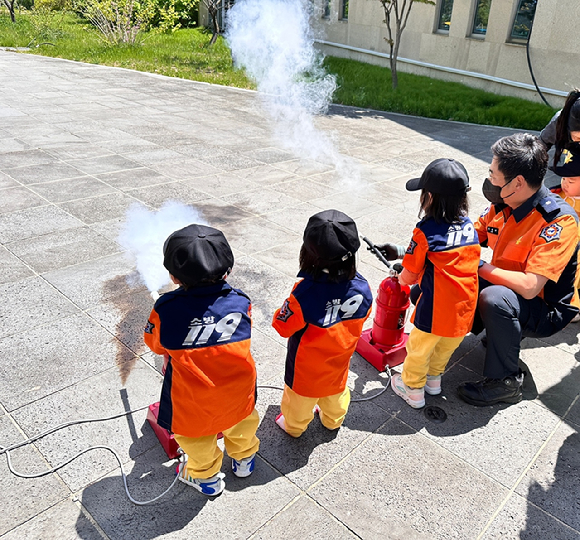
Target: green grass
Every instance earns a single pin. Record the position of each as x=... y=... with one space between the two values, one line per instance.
x=185 y=54
x=369 y=86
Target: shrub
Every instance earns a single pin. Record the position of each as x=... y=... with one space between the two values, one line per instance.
x=173 y=14
x=47 y=24
x=51 y=5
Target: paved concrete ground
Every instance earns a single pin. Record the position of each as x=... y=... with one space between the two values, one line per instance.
x=79 y=144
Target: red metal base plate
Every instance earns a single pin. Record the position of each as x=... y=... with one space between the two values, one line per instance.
x=381 y=357
x=165 y=437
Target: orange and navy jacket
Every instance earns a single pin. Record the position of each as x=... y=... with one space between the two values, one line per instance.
x=210 y=380
x=540 y=237
x=323 y=322
x=446 y=257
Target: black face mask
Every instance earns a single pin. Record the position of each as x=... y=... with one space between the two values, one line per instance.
x=493 y=193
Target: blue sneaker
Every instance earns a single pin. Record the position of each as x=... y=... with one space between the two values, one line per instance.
x=244 y=467
x=208 y=486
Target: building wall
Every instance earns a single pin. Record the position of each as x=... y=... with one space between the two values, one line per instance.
x=554 y=46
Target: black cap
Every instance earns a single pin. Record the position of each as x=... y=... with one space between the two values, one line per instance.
x=568 y=165
x=442 y=176
x=331 y=236
x=574 y=116
x=197 y=253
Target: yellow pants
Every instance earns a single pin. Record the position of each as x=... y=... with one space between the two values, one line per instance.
x=297 y=410
x=427 y=354
x=204 y=457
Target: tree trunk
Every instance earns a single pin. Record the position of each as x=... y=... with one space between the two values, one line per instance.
x=10 y=6
x=216 y=27
x=395 y=55
x=394 y=76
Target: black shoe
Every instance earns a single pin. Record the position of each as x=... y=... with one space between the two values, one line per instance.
x=492 y=391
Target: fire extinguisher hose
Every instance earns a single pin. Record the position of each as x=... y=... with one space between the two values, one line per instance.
x=6 y=450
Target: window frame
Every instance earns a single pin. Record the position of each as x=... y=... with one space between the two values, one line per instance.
x=344 y=4
x=326 y=11
x=474 y=33
x=519 y=39
x=438 y=26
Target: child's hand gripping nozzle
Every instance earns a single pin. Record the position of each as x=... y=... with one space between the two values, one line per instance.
x=384 y=344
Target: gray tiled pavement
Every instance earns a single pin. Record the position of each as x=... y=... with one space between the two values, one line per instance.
x=80 y=143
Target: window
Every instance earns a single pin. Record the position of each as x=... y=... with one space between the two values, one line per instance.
x=481 y=17
x=524 y=19
x=222 y=13
x=445 y=15
x=326 y=10
x=344 y=9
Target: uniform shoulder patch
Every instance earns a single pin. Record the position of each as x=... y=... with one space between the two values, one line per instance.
x=551 y=232
x=149 y=327
x=411 y=248
x=285 y=312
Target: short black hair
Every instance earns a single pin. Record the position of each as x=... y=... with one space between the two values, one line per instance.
x=202 y=283
x=448 y=208
x=521 y=153
x=336 y=271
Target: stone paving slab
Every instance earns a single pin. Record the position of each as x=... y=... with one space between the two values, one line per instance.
x=129 y=437
x=78 y=145
x=64 y=520
x=420 y=492
x=24 y=498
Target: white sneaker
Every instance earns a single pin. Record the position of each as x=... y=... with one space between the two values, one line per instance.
x=576 y=318
x=281 y=421
x=415 y=397
x=433 y=386
x=208 y=486
x=244 y=467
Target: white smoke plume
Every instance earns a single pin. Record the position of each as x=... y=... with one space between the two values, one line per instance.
x=274 y=42
x=144 y=233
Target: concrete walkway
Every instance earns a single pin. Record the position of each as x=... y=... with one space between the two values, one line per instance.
x=78 y=144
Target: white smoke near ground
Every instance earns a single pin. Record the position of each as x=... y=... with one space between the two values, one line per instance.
x=144 y=233
x=274 y=41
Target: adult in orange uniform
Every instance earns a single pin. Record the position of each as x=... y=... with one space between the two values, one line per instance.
x=528 y=288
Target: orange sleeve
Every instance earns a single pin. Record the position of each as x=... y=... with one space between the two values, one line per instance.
x=414 y=259
x=151 y=333
x=289 y=318
x=553 y=248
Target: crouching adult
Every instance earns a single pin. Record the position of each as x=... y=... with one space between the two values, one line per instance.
x=528 y=288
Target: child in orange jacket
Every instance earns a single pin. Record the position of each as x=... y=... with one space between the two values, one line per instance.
x=443 y=257
x=323 y=319
x=204 y=329
x=568 y=168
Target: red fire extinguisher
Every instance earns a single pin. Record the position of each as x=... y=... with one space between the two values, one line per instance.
x=384 y=344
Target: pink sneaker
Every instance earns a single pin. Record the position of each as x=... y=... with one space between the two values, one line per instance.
x=433 y=386
x=415 y=397
x=281 y=421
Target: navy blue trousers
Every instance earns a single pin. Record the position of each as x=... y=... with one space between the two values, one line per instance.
x=507 y=318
